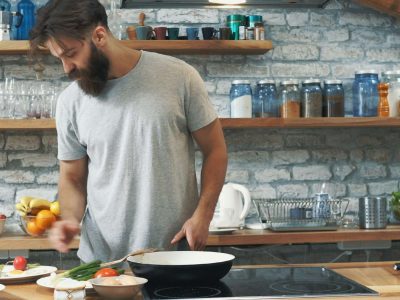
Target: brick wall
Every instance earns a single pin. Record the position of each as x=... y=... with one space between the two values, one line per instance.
x=322 y=43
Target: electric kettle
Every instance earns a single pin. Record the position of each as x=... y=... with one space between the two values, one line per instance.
x=233 y=206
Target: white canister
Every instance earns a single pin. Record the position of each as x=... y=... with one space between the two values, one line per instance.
x=70 y=289
x=241 y=99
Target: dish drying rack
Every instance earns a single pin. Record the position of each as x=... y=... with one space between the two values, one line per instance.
x=301 y=214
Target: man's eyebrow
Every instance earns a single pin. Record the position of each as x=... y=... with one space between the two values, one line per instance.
x=66 y=51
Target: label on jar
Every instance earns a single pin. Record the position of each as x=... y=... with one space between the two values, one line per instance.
x=241 y=107
x=242 y=33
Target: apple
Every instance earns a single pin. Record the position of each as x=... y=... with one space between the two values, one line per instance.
x=3 y=217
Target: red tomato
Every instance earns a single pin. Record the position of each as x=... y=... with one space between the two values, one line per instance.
x=20 y=263
x=3 y=217
x=105 y=272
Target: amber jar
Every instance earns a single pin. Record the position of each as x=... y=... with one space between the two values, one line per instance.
x=383 y=104
x=290 y=99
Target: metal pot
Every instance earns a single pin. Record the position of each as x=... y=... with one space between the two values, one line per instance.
x=174 y=266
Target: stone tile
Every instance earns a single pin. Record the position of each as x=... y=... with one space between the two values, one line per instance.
x=360 y=35
x=249 y=158
x=263 y=191
x=316 y=172
x=297 y=18
x=383 y=55
x=18 y=142
x=357 y=189
x=34 y=159
x=330 y=53
x=395 y=171
x=383 y=188
x=3 y=159
x=2 y=141
x=191 y=16
x=301 y=35
x=289 y=157
x=378 y=155
x=323 y=19
x=304 y=140
x=44 y=193
x=334 y=189
x=227 y=70
x=292 y=191
x=343 y=171
x=295 y=52
x=328 y=155
x=49 y=142
x=271 y=175
x=48 y=178
x=224 y=87
x=17 y=176
x=362 y=19
x=296 y=70
x=252 y=140
x=372 y=171
x=237 y=176
x=336 y=35
x=7 y=194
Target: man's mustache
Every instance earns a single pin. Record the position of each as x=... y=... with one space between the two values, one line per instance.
x=74 y=74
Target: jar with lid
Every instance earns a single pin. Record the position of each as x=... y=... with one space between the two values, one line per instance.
x=365 y=94
x=265 y=95
x=333 y=98
x=311 y=98
x=237 y=23
x=290 y=99
x=393 y=79
x=241 y=99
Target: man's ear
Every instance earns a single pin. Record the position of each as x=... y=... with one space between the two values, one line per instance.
x=100 y=36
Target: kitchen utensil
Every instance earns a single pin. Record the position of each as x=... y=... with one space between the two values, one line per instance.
x=9 y=20
x=372 y=212
x=125 y=291
x=192 y=33
x=144 y=32
x=208 y=33
x=233 y=204
x=137 y=252
x=175 y=266
x=142 y=16
x=160 y=33
x=173 y=33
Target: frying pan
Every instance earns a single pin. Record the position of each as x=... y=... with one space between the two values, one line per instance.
x=172 y=266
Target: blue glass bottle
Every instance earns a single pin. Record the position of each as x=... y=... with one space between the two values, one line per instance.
x=27 y=9
x=266 y=99
x=5 y=5
x=365 y=94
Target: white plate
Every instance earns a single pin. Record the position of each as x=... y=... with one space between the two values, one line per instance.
x=2 y=287
x=26 y=276
x=222 y=230
x=48 y=282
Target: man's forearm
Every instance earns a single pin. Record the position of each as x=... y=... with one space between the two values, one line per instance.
x=212 y=179
x=72 y=197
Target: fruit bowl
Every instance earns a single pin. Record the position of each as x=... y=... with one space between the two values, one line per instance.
x=37 y=225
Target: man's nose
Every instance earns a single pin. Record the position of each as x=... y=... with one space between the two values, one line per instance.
x=68 y=66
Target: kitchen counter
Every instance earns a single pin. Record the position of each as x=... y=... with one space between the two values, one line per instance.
x=238 y=237
x=378 y=276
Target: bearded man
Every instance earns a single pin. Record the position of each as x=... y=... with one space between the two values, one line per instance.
x=126 y=128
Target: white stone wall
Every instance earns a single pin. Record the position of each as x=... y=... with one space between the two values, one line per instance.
x=331 y=42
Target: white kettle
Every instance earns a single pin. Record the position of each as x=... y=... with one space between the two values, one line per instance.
x=233 y=206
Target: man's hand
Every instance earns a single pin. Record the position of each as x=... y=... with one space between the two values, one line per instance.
x=196 y=232
x=62 y=233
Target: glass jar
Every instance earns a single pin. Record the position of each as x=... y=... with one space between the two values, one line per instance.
x=365 y=94
x=27 y=9
x=290 y=99
x=333 y=99
x=266 y=95
x=241 y=98
x=311 y=98
x=393 y=79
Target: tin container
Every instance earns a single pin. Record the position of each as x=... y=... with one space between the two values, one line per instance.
x=236 y=23
x=372 y=212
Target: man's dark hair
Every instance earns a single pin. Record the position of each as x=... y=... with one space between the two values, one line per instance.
x=66 y=18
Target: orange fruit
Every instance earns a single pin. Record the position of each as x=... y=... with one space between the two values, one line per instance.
x=32 y=229
x=45 y=219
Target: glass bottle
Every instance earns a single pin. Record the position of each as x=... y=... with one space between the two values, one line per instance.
x=266 y=94
x=393 y=79
x=365 y=94
x=383 y=105
x=333 y=99
x=27 y=9
x=290 y=99
x=311 y=99
x=241 y=99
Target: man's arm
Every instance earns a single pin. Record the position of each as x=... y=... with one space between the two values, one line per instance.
x=210 y=140
x=72 y=197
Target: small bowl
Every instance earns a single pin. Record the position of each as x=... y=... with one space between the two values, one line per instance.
x=105 y=287
x=28 y=225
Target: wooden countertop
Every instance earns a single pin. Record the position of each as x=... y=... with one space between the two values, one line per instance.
x=378 y=276
x=236 y=238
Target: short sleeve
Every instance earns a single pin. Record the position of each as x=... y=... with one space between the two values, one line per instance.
x=69 y=147
x=198 y=107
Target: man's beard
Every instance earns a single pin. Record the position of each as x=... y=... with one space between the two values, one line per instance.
x=93 y=79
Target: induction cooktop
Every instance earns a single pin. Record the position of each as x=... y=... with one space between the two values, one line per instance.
x=265 y=283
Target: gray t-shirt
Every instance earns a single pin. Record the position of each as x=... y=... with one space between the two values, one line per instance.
x=137 y=135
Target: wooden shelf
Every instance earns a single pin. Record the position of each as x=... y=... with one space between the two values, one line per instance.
x=229 y=123
x=238 y=123
x=28 y=124
x=169 y=47
x=13 y=241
